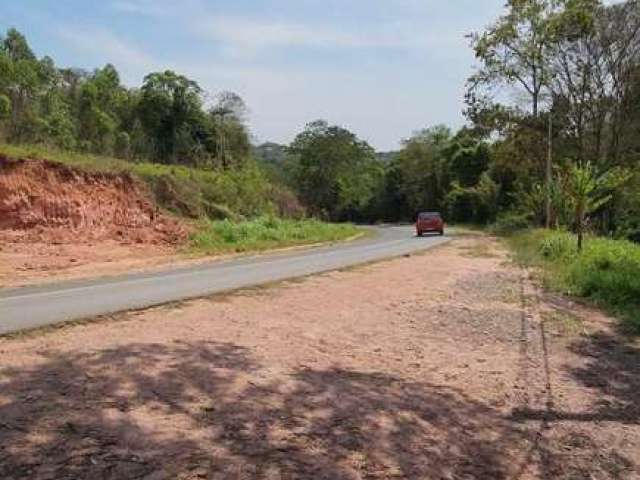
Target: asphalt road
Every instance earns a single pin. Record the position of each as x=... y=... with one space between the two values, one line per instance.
x=32 y=307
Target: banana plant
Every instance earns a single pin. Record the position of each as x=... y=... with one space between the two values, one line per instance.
x=588 y=191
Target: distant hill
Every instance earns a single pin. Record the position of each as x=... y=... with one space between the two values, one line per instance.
x=270 y=153
x=274 y=154
x=387 y=157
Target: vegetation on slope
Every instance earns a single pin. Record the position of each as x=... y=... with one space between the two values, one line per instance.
x=266 y=232
x=187 y=191
x=492 y=169
x=606 y=272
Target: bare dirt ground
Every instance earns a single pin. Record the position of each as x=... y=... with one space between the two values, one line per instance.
x=29 y=263
x=57 y=220
x=445 y=365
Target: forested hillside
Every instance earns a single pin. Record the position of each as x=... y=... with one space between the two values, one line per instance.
x=166 y=119
x=574 y=136
x=562 y=151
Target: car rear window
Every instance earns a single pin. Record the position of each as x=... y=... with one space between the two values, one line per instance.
x=428 y=216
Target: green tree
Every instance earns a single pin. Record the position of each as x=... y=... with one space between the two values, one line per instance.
x=170 y=111
x=513 y=51
x=16 y=46
x=335 y=173
x=230 y=138
x=423 y=163
x=589 y=191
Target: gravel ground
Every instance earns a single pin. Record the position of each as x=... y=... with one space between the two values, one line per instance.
x=445 y=365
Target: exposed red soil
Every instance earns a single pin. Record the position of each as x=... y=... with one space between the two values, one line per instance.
x=447 y=365
x=47 y=202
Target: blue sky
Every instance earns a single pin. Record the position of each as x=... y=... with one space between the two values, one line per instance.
x=382 y=68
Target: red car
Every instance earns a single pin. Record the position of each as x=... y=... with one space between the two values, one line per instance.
x=429 y=222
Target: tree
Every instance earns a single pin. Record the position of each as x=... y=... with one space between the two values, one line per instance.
x=588 y=191
x=335 y=173
x=231 y=138
x=16 y=46
x=170 y=111
x=5 y=106
x=424 y=169
x=513 y=50
x=469 y=160
x=165 y=120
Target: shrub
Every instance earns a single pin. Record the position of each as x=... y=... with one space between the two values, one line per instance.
x=265 y=232
x=557 y=246
x=510 y=222
x=192 y=192
x=607 y=271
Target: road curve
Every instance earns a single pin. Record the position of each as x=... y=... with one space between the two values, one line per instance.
x=31 y=307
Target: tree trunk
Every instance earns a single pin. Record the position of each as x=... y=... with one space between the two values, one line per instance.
x=580 y=240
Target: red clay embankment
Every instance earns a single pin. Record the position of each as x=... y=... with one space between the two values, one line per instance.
x=42 y=201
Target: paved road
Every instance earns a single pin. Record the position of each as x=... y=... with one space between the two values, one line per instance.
x=31 y=307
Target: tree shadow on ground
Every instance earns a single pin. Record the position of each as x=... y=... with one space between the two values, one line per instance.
x=209 y=410
x=612 y=368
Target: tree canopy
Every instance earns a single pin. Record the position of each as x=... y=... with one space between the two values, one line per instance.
x=165 y=120
x=551 y=73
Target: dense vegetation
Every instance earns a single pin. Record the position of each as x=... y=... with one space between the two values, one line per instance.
x=577 y=64
x=165 y=120
x=565 y=152
x=233 y=194
x=606 y=272
x=267 y=232
x=567 y=155
x=571 y=67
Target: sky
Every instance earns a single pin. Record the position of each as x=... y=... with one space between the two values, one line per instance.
x=381 y=68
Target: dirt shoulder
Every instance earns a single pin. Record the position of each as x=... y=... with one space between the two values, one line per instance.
x=31 y=263
x=23 y=264
x=445 y=365
x=62 y=222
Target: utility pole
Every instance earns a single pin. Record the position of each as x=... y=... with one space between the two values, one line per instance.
x=549 y=172
x=222 y=141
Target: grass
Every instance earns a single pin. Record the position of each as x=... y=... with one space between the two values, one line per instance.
x=606 y=272
x=563 y=323
x=266 y=232
x=237 y=208
x=186 y=191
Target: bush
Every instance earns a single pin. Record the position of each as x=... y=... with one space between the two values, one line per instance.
x=558 y=246
x=217 y=194
x=510 y=222
x=266 y=232
x=606 y=272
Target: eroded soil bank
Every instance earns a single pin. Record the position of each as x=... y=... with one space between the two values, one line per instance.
x=446 y=365
x=56 y=219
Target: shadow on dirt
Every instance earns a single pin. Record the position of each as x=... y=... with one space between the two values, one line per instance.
x=612 y=368
x=208 y=410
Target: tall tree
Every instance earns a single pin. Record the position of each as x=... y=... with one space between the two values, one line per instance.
x=513 y=50
x=335 y=173
x=170 y=110
x=228 y=117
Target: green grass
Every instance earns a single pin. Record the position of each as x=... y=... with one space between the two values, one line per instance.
x=607 y=272
x=186 y=191
x=266 y=232
x=238 y=208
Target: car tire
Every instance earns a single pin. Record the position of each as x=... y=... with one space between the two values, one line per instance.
x=441 y=232
x=418 y=234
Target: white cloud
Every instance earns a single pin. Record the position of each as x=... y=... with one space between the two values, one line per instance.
x=141 y=7
x=379 y=101
x=107 y=47
x=245 y=36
